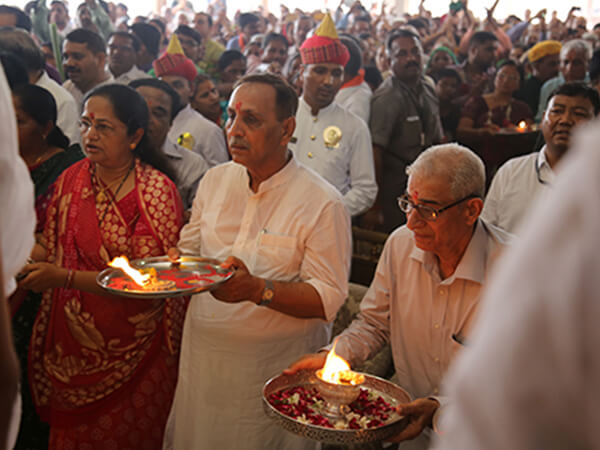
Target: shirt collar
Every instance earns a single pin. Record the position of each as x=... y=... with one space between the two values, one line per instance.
x=284 y=175
x=322 y=111
x=543 y=165
x=184 y=112
x=471 y=266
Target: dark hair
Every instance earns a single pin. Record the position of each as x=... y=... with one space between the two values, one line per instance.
x=418 y=23
x=189 y=32
x=515 y=65
x=19 y=42
x=201 y=78
x=148 y=35
x=40 y=105
x=227 y=57
x=355 y=62
x=160 y=24
x=363 y=18
x=373 y=76
x=61 y=3
x=123 y=6
x=163 y=86
x=481 y=37
x=578 y=89
x=286 y=99
x=594 y=67
x=131 y=109
x=93 y=41
x=14 y=69
x=397 y=34
x=246 y=19
x=135 y=41
x=596 y=26
x=208 y=18
x=22 y=20
x=274 y=37
x=447 y=72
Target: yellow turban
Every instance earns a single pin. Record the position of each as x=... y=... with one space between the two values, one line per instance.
x=544 y=48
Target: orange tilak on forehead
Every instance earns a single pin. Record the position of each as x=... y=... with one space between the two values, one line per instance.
x=238 y=107
x=415 y=196
x=92 y=115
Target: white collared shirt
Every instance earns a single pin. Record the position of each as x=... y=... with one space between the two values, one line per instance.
x=207 y=138
x=132 y=74
x=78 y=95
x=189 y=167
x=295 y=228
x=67 y=109
x=356 y=99
x=410 y=307
x=349 y=165
x=515 y=188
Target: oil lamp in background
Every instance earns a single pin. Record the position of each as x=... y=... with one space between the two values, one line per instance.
x=522 y=126
x=338 y=385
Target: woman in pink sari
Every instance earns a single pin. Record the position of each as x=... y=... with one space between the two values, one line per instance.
x=103 y=369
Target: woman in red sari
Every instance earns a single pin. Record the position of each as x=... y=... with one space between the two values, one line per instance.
x=103 y=369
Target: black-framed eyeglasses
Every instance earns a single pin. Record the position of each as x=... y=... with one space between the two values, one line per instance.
x=427 y=212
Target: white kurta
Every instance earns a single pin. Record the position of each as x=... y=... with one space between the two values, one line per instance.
x=349 y=166
x=67 y=110
x=207 y=138
x=17 y=222
x=409 y=306
x=515 y=188
x=530 y=379
x=295 y=228
x=356 y=99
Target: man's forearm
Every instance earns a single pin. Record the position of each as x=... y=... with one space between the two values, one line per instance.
x=297 y=299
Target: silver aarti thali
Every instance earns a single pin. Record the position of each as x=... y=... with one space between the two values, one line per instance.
x=392 y=393
x=190 y=275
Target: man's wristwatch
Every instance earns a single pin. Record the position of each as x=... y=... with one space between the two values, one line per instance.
x=268 y=294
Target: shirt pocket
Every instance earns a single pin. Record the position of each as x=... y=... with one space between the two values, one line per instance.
x=411 y=131
x=278 y=255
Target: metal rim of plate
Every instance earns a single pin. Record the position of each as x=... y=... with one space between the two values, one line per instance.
x=331 y=435
x=162 y=262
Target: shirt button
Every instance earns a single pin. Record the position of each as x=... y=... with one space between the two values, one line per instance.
x=436 y=391
x=315 y=119
x=313 y=137
x=310 y=155
x=436 y=359
x=442 y=292
x=436 y=326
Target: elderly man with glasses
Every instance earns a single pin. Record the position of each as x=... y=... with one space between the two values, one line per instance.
x=426 y=289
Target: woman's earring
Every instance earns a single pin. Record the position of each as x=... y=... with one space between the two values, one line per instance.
x=132 y=146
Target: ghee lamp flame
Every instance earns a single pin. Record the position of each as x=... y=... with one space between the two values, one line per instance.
x=138 y=277
x=337 y=371
x=522 y=125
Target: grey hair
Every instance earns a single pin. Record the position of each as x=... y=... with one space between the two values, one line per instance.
x=20 y=42
x=579 y=45
x=464 y=170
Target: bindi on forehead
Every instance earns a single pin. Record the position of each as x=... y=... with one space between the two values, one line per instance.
x=238 y=107
x=92 y=116
x=415 y=196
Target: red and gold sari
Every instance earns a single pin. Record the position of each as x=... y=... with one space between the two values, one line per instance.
x=103 y=369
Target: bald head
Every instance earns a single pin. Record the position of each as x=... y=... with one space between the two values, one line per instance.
x=461 y=167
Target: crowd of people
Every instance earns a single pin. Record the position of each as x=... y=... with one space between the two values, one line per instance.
x=261 y=142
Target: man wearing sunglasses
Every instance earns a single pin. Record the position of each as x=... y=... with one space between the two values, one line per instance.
x=426 y=289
